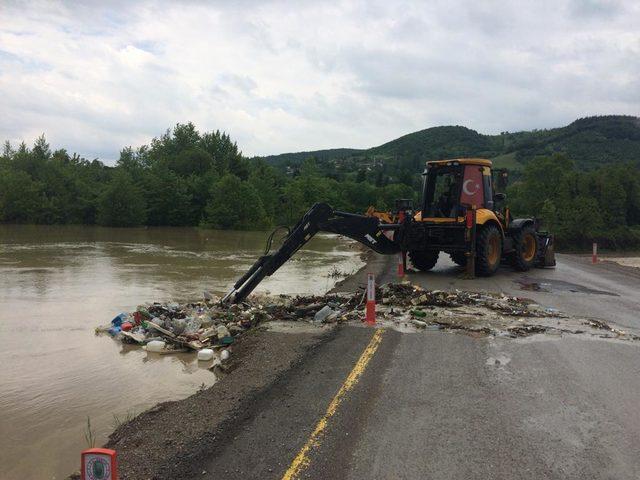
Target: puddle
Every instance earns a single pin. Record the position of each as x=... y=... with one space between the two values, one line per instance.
x=550 y=286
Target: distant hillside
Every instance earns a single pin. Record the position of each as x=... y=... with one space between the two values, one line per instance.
x=441 y=142
x=590 y=142
x=299 y=157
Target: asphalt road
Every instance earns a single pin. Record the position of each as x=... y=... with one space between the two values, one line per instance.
x=444 y=405
x=606 y=291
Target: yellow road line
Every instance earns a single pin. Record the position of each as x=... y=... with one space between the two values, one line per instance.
x=302 y=459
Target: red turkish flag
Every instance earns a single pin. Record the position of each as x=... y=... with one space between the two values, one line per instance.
x=472 y=191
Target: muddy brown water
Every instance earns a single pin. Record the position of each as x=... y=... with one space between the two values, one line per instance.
x=58 y=283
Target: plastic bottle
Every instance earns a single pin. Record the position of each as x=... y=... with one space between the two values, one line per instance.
x=205 y=354
x=323 y=313
x=117 y=321
x=156 y=346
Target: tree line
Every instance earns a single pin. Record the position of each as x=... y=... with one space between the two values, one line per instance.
x=579 y=205
x=188 y=178
x=182 y=178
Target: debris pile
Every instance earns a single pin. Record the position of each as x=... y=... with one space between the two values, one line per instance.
x=410 y=304
x=166 y=328
x=411 y=295
x=206 y=325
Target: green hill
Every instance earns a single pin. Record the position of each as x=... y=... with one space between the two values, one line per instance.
x=441 y=142
x=590 y=142
x=299 y=157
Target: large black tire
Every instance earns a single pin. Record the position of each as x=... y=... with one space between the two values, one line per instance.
x=424 y=260
x=525 y=242
x=460 y=258
x=488 y=250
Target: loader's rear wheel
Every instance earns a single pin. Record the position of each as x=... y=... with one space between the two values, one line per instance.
x=459 y=258
x=424 y=260
x=526 y=249
x=488 y=250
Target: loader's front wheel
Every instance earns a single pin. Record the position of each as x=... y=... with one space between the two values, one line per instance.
x=460 y=258
x=488 y=250
x=424 y=260
x=526 y=249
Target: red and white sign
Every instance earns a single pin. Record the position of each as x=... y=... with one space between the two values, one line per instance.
x=472 y=190
x=99 y=464
x=370 y=316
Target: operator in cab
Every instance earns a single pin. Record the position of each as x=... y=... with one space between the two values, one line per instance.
x=447 y=201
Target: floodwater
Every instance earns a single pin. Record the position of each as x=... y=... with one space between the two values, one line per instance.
x=58 y=283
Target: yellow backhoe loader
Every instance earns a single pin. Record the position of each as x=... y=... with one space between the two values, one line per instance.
x=460 y=215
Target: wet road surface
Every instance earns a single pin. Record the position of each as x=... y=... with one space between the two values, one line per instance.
x=447 y=405
x=606 y=290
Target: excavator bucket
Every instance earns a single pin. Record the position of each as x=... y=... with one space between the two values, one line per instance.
x=547 y=257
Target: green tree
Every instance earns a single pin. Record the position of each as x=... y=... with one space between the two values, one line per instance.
x=306 y=189
x=20 y=197
x=234 y=204
x=194 y=161
x=168 y=198
x=122 y=203
x=267 y=184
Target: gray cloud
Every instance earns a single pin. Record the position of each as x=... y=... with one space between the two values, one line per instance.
x=289 y=76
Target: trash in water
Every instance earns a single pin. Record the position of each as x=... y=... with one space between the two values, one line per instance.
x=155 y=346
x=167 y=328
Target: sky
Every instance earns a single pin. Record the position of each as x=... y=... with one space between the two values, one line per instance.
x=283 y=76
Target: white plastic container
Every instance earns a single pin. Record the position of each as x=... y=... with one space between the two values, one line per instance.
x=205 y=354
x=156 y=346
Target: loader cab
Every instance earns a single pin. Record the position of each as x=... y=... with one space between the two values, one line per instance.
x=449 y=185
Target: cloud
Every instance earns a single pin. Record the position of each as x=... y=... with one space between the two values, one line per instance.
x=288 y=76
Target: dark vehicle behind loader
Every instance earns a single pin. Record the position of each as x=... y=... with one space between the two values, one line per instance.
x=460 y=215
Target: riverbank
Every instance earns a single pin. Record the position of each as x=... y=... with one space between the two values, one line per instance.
x=168 y=439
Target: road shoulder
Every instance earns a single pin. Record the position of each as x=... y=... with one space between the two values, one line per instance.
x=172 y=439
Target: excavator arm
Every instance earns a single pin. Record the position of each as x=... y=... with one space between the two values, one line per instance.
x=367 y=230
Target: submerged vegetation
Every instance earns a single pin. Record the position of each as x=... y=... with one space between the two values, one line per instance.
x=583 y=179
